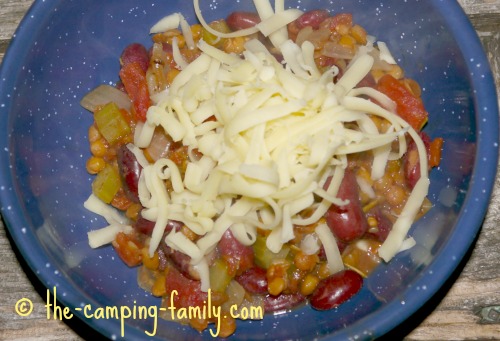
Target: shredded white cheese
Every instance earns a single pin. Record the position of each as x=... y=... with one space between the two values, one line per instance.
x=117 y=223
x=280 y=132
x=106 y=235
x=268 y=146
x=112 y=216
x=332 y=252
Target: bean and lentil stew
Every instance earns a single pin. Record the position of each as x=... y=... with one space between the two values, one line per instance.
x=249 y=270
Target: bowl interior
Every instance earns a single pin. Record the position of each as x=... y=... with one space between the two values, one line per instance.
x=63 y=49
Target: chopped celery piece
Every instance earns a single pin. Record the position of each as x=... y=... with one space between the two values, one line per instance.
x=111 y=124
x=263 y=256
x=106 y=184
x=219 y=276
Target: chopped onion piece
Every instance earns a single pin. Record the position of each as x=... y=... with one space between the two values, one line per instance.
x=169 y=22
x=385 y=54
x=104 y=94
x=178 y=58
x=365 y=187
x=309 y=245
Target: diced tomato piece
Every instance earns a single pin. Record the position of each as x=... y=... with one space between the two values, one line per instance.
x=238 y=256
x=409 y=107
x=134 y=80
x=411 y=160
x=347 y=222
x=188 y=291
x=435 y=152
x=179 y=156
x=121 y=201
x=128 y=248
x=282 y=301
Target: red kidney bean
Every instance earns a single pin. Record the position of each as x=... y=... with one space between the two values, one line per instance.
x=347 y=222
x=163 y=262
x=254 y=280
x=130 y=170
x=282 y=302
x=189 y=292
x=173 y=225
x=335 y=290
x=135 y=53
x=384 y=225
x=411 y=160
x=293 y=30
x=411 y=164
x=146 y=227
x=160 y=145
x=325 y=61
x=241 y=20
x=239 y=257
x=181 y=261
x=312 y=18
x=367 y=81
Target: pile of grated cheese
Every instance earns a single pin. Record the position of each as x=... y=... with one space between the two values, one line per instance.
x=280 y=131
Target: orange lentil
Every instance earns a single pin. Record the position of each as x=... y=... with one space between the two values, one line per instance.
x=99 y=148
x=227 y=326
x=372 y=222
x=359 y=34
x=94 y=133
x=234 y=45
x=323 y=271
x=305 y=262
x=199 y=324
x=159 y=287
x=151 y=263
x=133 y=211
x=396 y=195
x=95 y=164
x=342 y=29
x=276 y=286
x=196 y=31
x=348 y=41
x=308 y=284
x=396 y=71
x=171 y=74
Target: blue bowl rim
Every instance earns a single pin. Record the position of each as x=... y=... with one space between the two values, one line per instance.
x=486 y=106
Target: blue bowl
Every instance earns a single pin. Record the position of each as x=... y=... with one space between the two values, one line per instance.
x=63 y=49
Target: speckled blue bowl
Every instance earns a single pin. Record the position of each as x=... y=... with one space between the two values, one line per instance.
x=63 y=49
